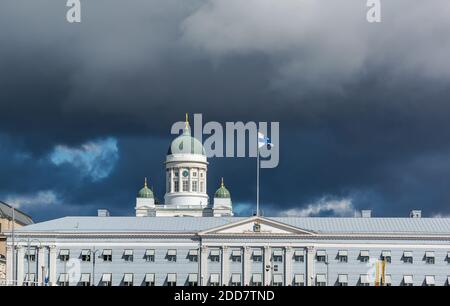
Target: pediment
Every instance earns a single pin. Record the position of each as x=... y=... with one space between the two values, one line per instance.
x=256 y=226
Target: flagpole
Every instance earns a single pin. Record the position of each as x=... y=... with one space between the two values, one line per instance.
x=257 y=182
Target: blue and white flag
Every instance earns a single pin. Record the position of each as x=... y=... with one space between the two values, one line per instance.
x=263 y=140
x=46 y=279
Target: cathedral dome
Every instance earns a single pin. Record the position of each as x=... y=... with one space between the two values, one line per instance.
x=186 y=144
x=145 y=192
x=222 y=192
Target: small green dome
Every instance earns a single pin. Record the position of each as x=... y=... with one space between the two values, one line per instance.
x=186 y=144
x=145 y=192
x=222 y=192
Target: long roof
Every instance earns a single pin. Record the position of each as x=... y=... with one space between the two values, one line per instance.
x=334 y=225
x=20 y=217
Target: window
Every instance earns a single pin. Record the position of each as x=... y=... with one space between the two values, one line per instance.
x=176 y=185
x=448 y=257
x=214 y=280
x=407 y=280
x=429 y=257
x=63 y=279
x=299 y=280
x=257 y=256
x=408 y=257
x=128 y=255
x=214 y=255
x=194 y=174
x=342 y=280
x=193 y=255
x=30 y=280
x=256 y=280
x=194 y=186
x=149 y=280
x=192 y=280
x=172 y=255
x=171 y=279
x=429 y=280
x=64 y=255
x=321 y=256
x=85 y=280
x=128 y=279
x=388 y=280
x=149 y=255
x=176 y=173
x=299 y=256
x=364 y=256
x=107 y=255
x=86 y=255
x=277 y=256
x=236 y=256
x=31 y=255
x=235 y=280
x=106 y=279
x=185 y=185
x=364 y=280
x=277 y=280
x=386 y=256
x=342 y=256
x=321 y=280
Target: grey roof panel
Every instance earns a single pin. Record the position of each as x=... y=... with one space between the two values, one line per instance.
x=20 y=217
x=195 y=224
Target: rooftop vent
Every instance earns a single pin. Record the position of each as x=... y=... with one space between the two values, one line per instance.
x=366 y=213
x=415 y=214
x=103 y=213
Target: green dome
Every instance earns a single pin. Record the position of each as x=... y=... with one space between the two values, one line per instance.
x=186 y=144
x=222 y=192
x=145 y=192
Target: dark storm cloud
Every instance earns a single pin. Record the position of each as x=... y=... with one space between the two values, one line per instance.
x=363 y=108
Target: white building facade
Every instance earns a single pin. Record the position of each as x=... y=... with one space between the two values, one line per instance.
x=190 y=240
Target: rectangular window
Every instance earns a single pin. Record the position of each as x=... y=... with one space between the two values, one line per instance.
x=107 y=279
x=343 y=280
x=386 y=256
x=277 y=256
x=342 y=256
x=128 y=255
x=86 y=255
x=321 y=256
x=214 y=280
x=236 y=256
x=193 y=255
x=321 y=280
x=277 y=280
x=176 y=185
x=171 y=279
x=194 y=186
x=85 y=280
x=31 y=255
x=408 y=257
x=429 y=257
x=149 y=280
x=63 y=279
x=149 y=255
x=172 y=255
x=235 y=280
x=128 y=279
x=193 y=280
x=364 y=256
x=185 y=185
x=107 y=255
x=64 y=255
x=299 y=280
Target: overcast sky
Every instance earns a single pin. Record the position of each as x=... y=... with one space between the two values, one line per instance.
x=86 y=109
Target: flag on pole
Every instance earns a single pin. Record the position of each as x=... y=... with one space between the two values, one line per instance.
x=263 y=140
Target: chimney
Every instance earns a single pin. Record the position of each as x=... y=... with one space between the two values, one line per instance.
x=415 y=214
x=366 y=213
x=102 y=213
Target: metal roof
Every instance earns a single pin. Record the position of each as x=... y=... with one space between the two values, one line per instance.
x=20 y=217
x=194 y=224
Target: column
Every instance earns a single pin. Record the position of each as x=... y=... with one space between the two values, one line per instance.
x=52 y=274
x=288 y=266
x=190 y=180
x=9 y=267
x=180 y=180
x=247 y=256
x=225 y=265
x=41 y=263
x=310 y=255
x=267 y=266
x=20 y=263
x=172 y=187
x=204 y=266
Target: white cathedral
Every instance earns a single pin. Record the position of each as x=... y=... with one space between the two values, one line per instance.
x=186 y=179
